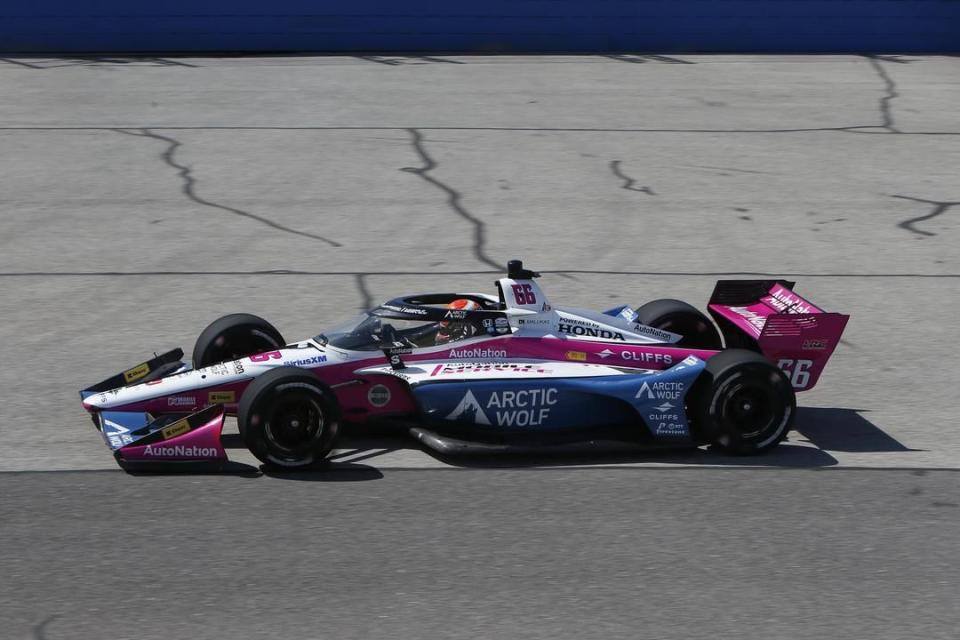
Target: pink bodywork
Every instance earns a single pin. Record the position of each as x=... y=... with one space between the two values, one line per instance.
x=792 y=332
x=202 y=443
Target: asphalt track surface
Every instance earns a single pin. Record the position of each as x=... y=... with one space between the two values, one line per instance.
x=143 y=198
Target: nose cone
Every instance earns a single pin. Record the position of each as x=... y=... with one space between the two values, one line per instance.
x=89 y=400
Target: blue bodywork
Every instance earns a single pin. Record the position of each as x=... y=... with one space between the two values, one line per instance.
x=513 y=406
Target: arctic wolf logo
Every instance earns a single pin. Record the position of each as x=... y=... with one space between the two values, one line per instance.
x=469 y=410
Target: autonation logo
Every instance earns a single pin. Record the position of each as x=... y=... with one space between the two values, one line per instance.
x=181 y=451
x=477 y=353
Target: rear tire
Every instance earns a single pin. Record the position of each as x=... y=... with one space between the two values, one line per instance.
x=235 y=336
x=679 y=317
x=288 y=418
x=742 y=404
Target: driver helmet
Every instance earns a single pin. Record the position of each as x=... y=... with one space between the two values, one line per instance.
x=451 y=330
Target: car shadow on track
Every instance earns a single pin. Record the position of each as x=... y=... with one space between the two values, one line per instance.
x=844 y=430
x=816 y=432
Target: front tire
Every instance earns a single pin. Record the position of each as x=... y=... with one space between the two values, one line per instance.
x=235 y=336
x=288 y=418
x=679 y=317
x=742 y=404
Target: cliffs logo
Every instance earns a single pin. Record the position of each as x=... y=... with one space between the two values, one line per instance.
x=477 y=353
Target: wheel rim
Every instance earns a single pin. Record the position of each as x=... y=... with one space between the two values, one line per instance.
x=748 y=410
x=294 y=424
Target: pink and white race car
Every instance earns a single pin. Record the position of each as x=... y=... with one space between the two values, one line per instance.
x=472 y=372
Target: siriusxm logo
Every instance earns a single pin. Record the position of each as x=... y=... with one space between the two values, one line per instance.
x=305 y=362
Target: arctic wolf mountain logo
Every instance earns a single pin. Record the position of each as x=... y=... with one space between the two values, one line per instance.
x=469 y=410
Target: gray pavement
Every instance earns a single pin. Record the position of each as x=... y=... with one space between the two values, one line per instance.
x=142 y=199
x=581 y=553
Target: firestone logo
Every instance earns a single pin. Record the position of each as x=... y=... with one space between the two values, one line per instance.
x=180 y=451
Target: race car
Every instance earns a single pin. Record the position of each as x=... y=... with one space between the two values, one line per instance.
x=473 y=372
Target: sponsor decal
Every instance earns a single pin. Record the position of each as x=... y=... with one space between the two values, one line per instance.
x=646 y=358
x=669 y=429
x=216 y=370
x=581 y=356
x=305 y=362
x=136 y=373
x=660 y=391
x=405 y=309
x=666 y=406
x=180 y=451
x=238 y=367
x=755 y=319
x=653 y=332
x=517 y=408
x=178 y=428
x=501 y=325
x=221 y=397
x=117 y=434
x=606 y=353
x=545 y=308
x=378 y=395
x=628 y=314
x=593 y=332
x=815 y=344
x=456 y=314
x=469 y=410
x=783 y=300
x=533 y=321
x=478 y=352
x=181 y=401
x=485 y=367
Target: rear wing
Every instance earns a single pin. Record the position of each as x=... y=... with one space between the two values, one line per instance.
x=767 y=316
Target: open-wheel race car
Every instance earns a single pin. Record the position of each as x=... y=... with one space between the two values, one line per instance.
x=471 y=372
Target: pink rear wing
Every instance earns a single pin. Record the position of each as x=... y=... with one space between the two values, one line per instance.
x=766 y=315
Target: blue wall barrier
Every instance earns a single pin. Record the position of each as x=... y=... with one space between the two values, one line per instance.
x=88 y=26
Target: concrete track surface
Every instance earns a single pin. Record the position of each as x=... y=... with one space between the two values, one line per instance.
x=143 y=198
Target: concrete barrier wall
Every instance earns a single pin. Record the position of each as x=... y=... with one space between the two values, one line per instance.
x=75 y=26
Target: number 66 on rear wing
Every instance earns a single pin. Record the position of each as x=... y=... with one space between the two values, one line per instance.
x=767 y=316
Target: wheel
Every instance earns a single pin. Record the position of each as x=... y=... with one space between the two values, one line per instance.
x=679 y=317
x=741 y=403
x=235 y=336
x=288 y=418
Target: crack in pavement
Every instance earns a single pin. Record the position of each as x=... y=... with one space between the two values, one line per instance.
x=454 y=199
x=938 y=208
x=886 y=113
x=628 y=182
x=190 y=182
x=360 y=279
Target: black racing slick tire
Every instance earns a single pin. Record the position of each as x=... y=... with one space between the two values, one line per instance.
x=676 y=316
x=235 y=336
x=288 y=418
x=741 y=404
